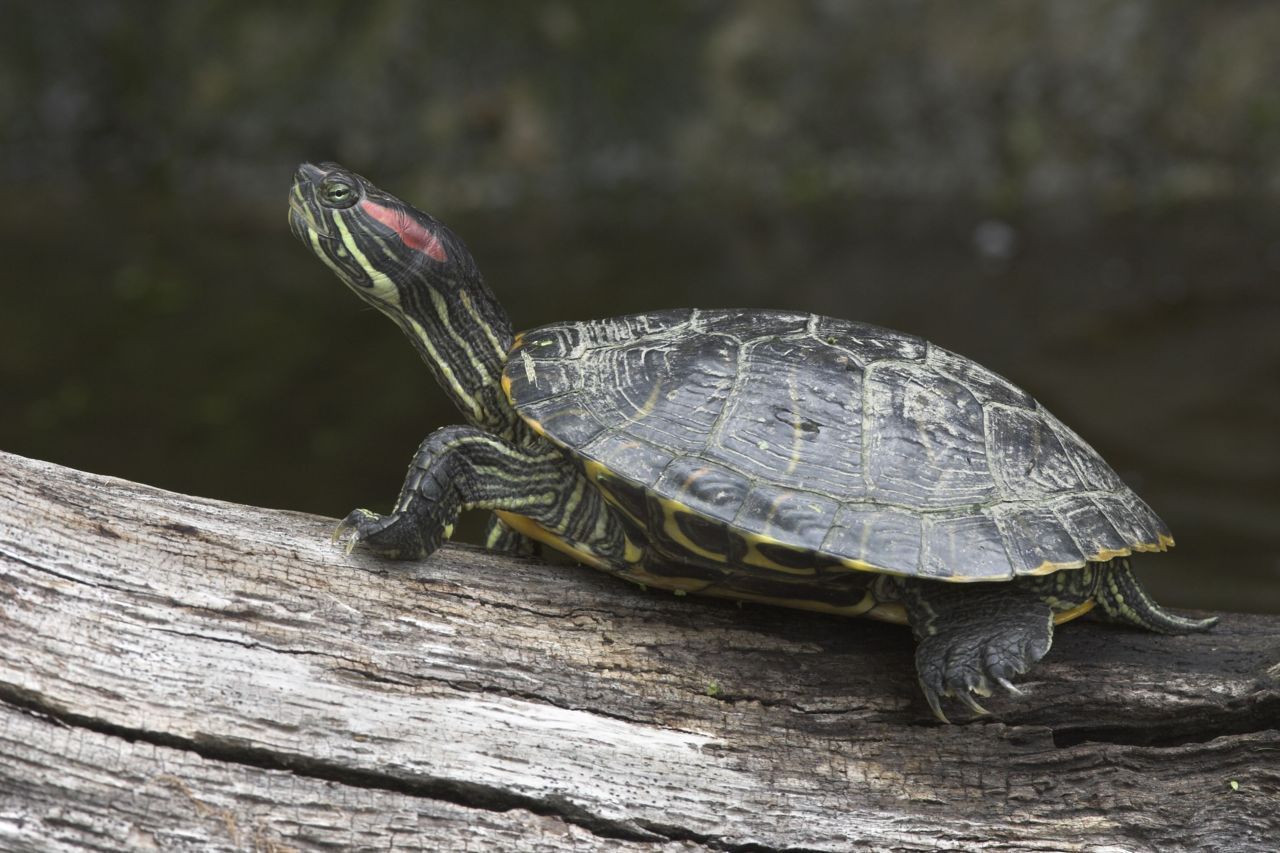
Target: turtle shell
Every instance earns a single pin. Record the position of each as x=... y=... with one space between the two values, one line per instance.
x=873 y=449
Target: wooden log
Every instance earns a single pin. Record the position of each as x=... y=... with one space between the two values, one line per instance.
x=181 y=673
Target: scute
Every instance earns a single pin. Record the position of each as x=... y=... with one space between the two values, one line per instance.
x=926 y=444
x=838 y=442
x=800 y=519
x=777 y=416
x=630 y=458
x=877 y=536
x=1028 y=459
x=713 y=490
x=1035 y=538
x=968 y=546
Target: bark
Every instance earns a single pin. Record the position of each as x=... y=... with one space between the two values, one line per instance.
x=181 y=673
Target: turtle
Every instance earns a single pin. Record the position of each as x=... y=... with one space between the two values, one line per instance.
x=760 y=455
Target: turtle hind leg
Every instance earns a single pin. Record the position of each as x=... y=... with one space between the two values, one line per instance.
x=1123 y=599
x=971 y=637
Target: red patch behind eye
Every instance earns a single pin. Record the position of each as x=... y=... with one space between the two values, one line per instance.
x=410 y=232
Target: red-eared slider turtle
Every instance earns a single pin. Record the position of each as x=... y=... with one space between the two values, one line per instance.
x=760 y=455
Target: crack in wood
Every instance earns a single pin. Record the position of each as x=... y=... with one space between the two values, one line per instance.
x=9 y=555
x=453 y=791
x=1262 y=717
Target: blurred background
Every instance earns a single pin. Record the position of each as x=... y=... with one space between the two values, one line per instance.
x=1081 y=195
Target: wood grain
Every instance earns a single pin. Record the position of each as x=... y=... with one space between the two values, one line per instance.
x=182 y=673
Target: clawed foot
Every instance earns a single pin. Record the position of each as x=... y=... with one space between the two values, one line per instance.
x=353 y=528
x=968 y=659
x=394 y=536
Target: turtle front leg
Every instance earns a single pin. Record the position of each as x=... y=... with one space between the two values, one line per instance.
x=971 y=637
x=460 y=467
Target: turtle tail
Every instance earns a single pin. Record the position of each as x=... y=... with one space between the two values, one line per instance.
x=1123 y=599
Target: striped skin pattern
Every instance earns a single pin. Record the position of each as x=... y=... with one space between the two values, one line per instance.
x=763 y=456
x=459 y=468
x=456 y=324
x=419 y=274
x=779 y=438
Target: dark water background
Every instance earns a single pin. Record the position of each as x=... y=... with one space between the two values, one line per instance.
x=1082 y=196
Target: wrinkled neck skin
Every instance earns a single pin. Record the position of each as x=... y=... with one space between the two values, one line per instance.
x=463 y=335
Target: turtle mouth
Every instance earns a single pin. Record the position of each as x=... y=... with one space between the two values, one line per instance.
x=303 y=220
x=304 y=224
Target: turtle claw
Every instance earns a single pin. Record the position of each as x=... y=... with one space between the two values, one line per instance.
x=964 y=655
x=350 y=529
x=397 y=536
x=963 y=695
x=935 y=704
x=950 y=673
x=354 y=528
x=967 y=699
x=1009 y=685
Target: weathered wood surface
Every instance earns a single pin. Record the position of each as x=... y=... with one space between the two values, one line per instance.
x=179 y=673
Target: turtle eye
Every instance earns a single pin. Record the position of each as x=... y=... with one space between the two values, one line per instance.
x=337 y=193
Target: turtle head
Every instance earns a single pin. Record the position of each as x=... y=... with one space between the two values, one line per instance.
x=412 y=268
x=388 y=252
